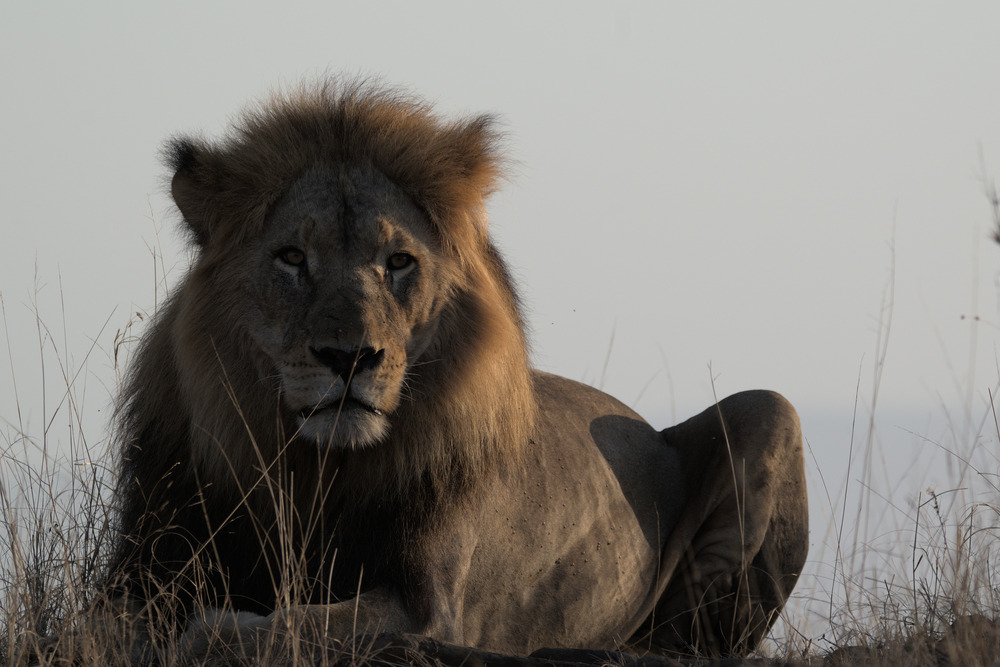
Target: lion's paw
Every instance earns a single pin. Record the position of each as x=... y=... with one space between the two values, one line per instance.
x=220 y=631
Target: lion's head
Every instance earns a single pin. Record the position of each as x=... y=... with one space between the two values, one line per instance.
x=344 y=296
x=344 y=292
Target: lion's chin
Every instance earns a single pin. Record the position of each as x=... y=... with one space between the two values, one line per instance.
x=348 y=428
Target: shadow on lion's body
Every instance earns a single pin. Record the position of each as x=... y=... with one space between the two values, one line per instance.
x=334 y=424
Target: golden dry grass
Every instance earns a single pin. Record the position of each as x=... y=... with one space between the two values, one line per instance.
x=925 y=593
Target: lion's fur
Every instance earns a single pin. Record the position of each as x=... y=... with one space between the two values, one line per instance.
x=456 y=491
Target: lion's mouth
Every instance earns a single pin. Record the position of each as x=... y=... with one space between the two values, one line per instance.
x=342 y=404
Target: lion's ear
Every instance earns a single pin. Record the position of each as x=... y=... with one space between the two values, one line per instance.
x=188 y=187
x=468 y=165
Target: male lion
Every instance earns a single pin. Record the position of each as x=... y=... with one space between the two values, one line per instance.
x=333 y=426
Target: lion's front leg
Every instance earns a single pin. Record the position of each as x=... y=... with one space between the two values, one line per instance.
x=310 y=630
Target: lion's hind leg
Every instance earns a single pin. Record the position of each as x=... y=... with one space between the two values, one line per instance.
x=741 y=542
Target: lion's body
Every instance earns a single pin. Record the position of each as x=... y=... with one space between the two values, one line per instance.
x=334 y=421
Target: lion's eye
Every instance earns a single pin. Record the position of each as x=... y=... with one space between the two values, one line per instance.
x=292 y=256
x=399 y=261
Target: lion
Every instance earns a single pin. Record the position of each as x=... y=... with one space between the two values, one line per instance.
x=334 y=426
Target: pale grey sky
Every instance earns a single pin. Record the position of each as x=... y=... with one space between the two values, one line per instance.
x=701 y=190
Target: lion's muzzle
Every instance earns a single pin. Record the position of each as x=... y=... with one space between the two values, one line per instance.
x=338 y=394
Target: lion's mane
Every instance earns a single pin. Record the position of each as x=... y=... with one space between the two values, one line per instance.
x=202 y=437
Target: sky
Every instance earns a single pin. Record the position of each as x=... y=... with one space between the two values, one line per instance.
x=704 y=198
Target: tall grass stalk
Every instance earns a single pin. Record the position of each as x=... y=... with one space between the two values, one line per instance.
x=924 y=591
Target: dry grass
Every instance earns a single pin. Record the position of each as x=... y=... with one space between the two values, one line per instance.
x=926 y=592
x=914 y=582
x=55 y=492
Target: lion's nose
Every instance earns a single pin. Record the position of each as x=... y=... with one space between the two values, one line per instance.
x=347 y=363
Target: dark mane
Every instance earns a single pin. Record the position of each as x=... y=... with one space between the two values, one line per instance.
x=206 y=457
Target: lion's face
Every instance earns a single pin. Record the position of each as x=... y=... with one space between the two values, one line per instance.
x=347 y=285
